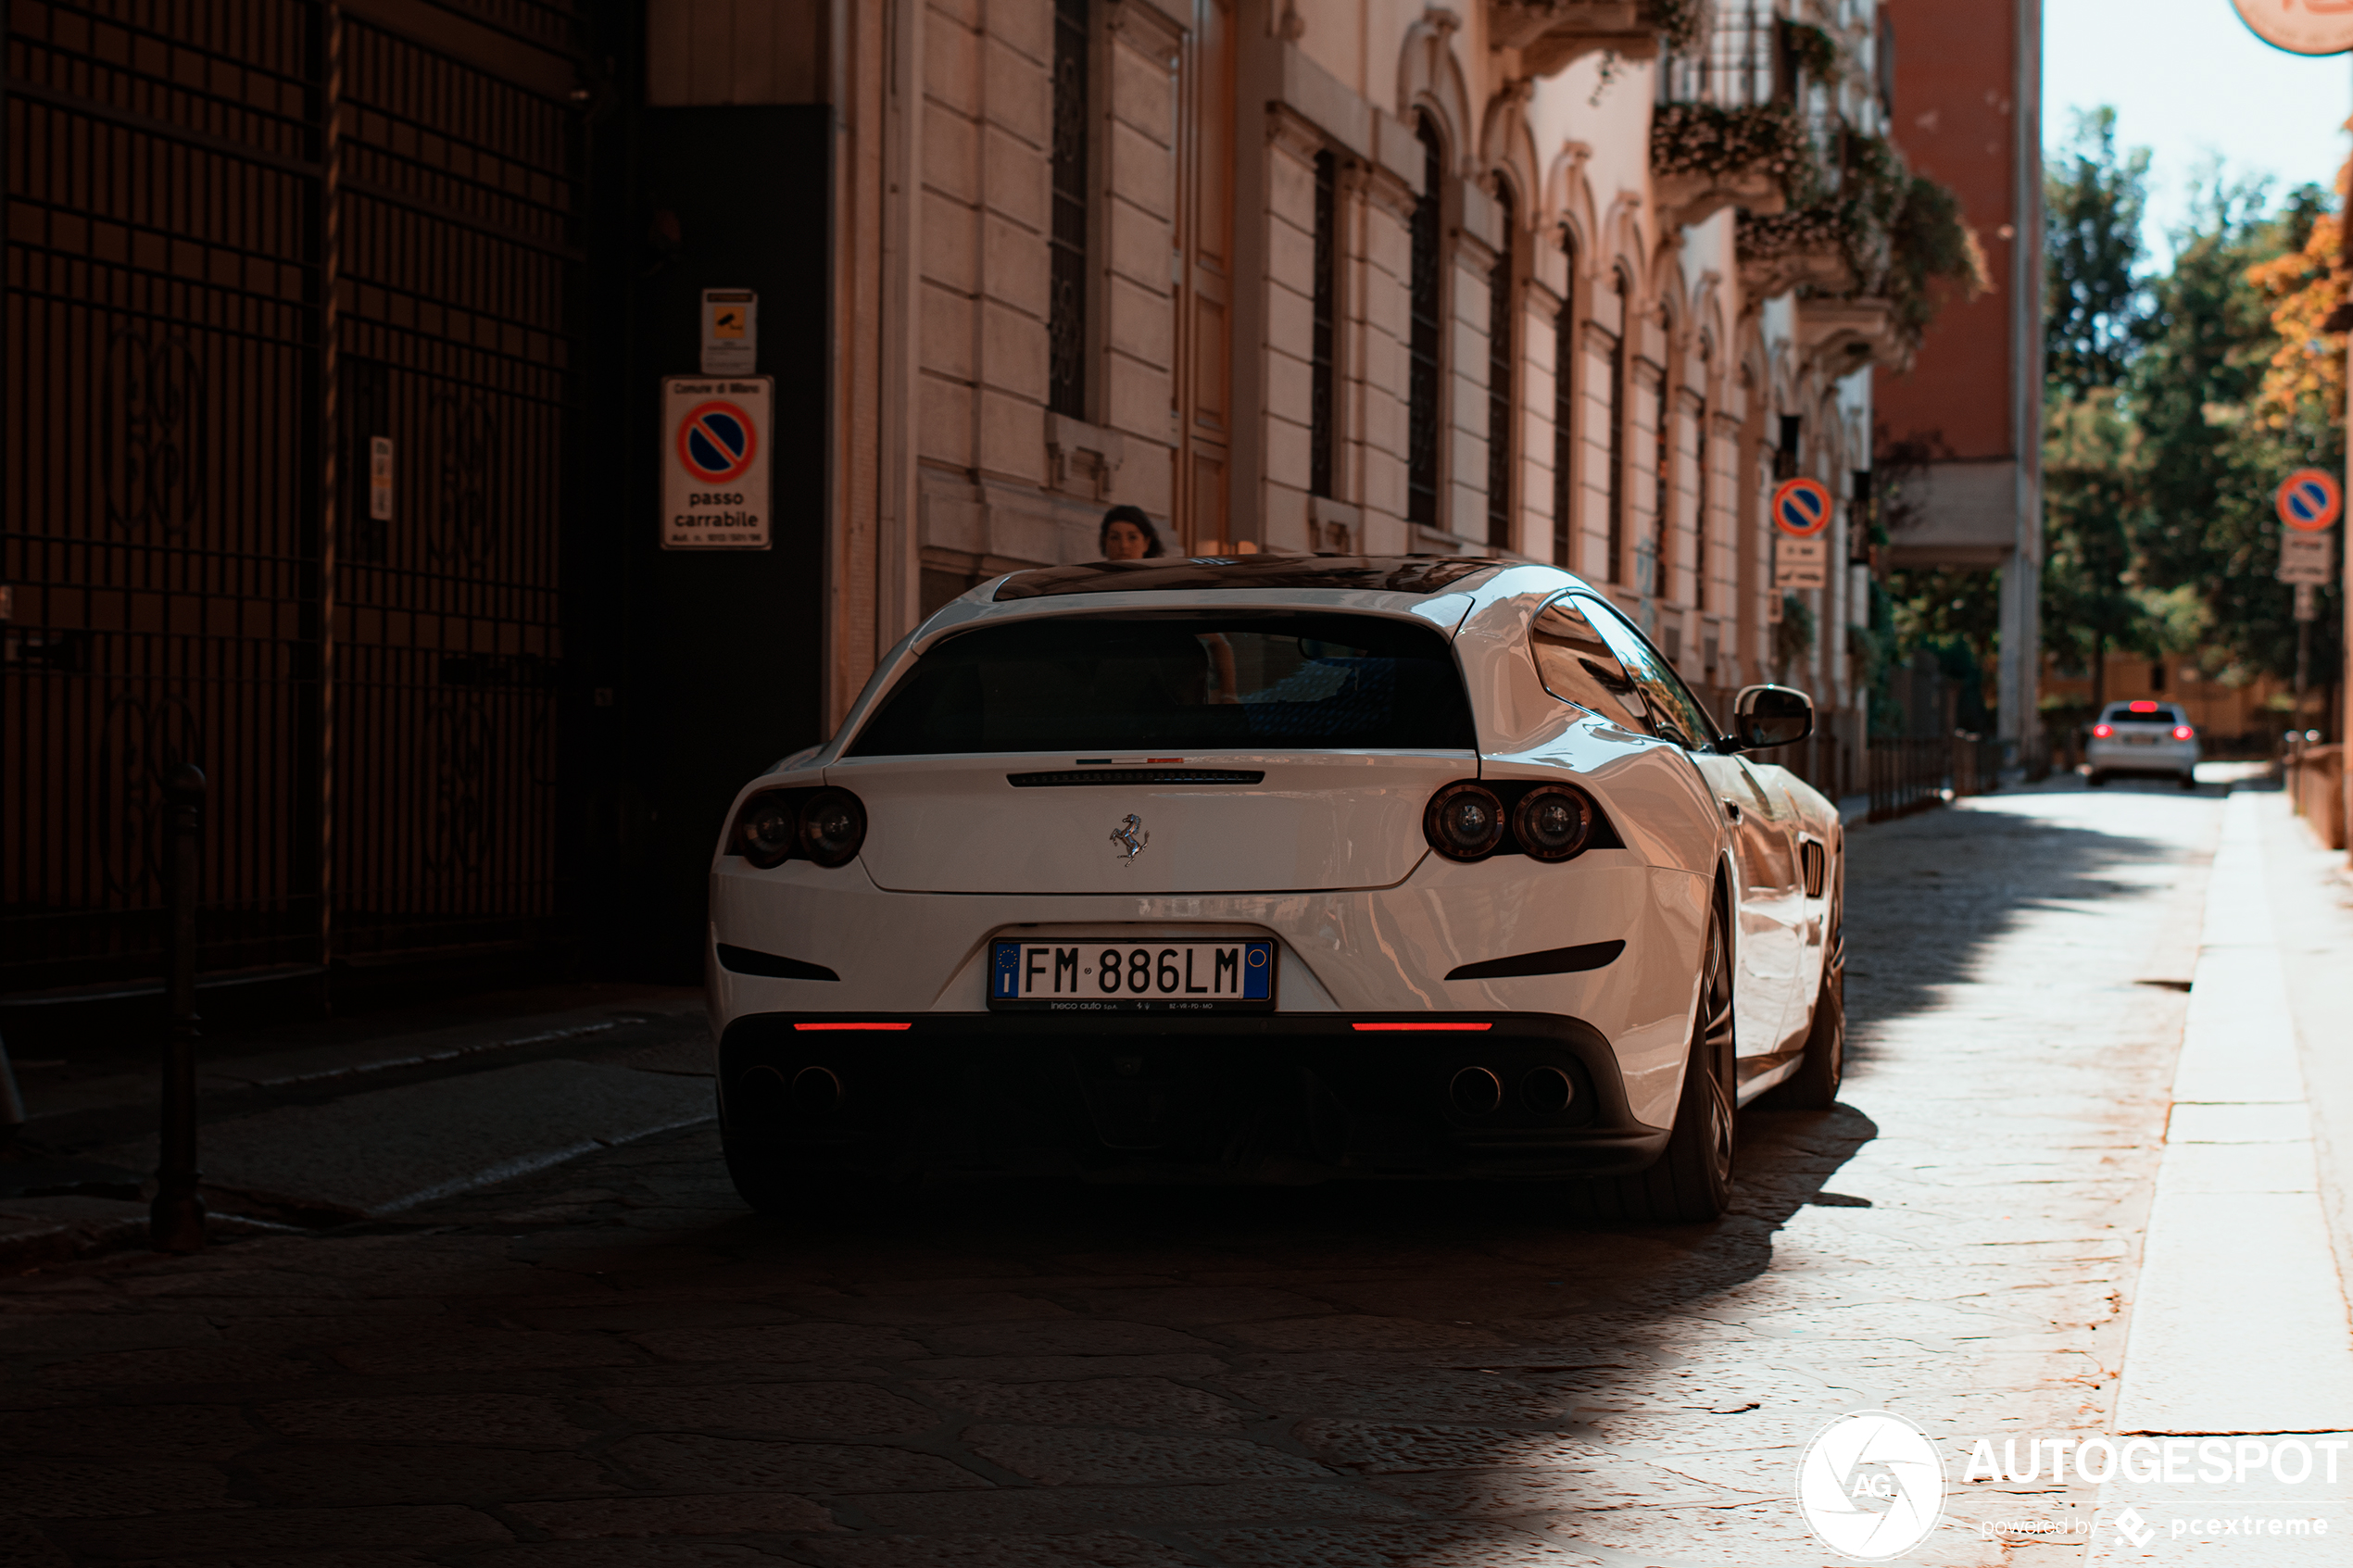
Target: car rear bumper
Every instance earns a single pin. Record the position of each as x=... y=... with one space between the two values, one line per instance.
x=2118 y=756
x=1270 y=1098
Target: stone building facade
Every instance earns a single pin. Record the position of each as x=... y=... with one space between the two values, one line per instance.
x=1341 y=276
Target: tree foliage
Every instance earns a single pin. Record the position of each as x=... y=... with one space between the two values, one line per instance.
x=2093 y=198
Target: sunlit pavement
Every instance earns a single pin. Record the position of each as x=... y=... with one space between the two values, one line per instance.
x=612 y=1364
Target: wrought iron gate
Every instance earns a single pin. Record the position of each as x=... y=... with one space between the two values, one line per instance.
x=250 y=242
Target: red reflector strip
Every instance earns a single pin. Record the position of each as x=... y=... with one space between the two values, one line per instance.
x=853 y=1027
x=1421 y=1028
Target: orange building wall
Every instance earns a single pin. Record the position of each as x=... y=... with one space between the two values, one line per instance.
x=1955 y=68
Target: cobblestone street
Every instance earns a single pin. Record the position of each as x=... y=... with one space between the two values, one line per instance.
x=613 y=1364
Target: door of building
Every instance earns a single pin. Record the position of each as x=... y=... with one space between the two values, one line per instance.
x=289 y=366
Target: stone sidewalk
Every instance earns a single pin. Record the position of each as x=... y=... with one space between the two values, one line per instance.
x=612 y=1364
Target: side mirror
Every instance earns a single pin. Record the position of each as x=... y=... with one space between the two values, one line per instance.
x=1764 y=717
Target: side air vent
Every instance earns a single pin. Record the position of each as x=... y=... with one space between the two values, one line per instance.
x=1553 y=961
x=1815 y=862
x=747 y=960
x=1135 y=776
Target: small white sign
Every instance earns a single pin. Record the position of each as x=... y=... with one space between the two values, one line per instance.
x=714 y=462
x=380 y=477
x=2308 y=602
x=1800 y=563
x=730 y=332
x=2306 y=557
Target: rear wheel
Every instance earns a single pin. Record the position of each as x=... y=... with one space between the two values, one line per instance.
x=1692 y=1182
x=2189 y=781
x=2096 y=778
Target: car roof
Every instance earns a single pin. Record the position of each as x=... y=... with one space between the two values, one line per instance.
x=1391 y=574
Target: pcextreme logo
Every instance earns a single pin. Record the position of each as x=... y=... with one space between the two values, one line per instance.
x=1870 y=1484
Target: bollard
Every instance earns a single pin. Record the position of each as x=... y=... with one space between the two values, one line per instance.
x=176 y=1221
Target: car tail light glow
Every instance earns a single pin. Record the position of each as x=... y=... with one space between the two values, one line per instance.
x=2144 y=707
x=2183 y=732
x=1415 y=1028
x=1463 y=822
x=828 y=1025
x=2101 y=732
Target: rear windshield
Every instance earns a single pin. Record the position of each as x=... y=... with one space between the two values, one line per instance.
x=1178 y=683
x=2159 y=713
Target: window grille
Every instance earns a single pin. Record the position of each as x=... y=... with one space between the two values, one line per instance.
x=1564 y=383
x=1067 y=319
x=1499 y=338
x=1321 y=394
x=1615 y=568
x=1422 y=347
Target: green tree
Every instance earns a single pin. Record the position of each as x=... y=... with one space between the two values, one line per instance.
x=2212 y=462
x=2095 y=301
x=2094 y=329
x=2092 y=479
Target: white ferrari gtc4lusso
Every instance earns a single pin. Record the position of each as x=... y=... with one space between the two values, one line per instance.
x=1271 y=869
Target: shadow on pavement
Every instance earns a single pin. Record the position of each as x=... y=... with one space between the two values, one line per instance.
x=1152 y=1377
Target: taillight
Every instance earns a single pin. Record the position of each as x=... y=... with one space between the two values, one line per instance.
x=2101 y=732
x=1463 y=822
x=824 y=826
x=2183 y=732
x=1553 y=823
x=833 y=825
x=765 y=830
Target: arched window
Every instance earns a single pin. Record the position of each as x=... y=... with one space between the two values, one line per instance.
x=1566 y=350
x=1703 y=482
x=1666 y=423
x=1501 y=310
x=1066 y=241
x=1422 y=341
x=1614 y=569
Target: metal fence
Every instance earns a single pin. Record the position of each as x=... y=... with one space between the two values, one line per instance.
x=248 y=246
x=1908 y=775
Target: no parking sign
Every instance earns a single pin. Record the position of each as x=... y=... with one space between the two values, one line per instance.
x=1800 y=513
x=714 y=462
x=2309 y=499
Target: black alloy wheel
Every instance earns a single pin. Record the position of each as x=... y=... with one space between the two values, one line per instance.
x=1692 y=1182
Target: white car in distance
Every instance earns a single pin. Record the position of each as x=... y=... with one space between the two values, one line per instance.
x=1275 y=869
x=2143 y=737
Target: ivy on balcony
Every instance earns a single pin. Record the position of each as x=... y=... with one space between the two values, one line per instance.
x=1873 y=231
x=1705 y=139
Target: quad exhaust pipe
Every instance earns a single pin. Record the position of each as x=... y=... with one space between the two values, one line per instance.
x=1478 y=1091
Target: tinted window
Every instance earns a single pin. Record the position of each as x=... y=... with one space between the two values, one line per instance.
x=1674 y=714
x=1178 y=683
x=1577 y=666
x=2163 y=713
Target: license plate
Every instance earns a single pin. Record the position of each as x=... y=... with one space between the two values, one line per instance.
x=1104 y=976
x=2140 y=740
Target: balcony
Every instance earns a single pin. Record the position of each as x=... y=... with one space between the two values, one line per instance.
x=1551 y=34
x=1727 y=130
x=1783 y=251
x=1843 y=335
x=1706 y=157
